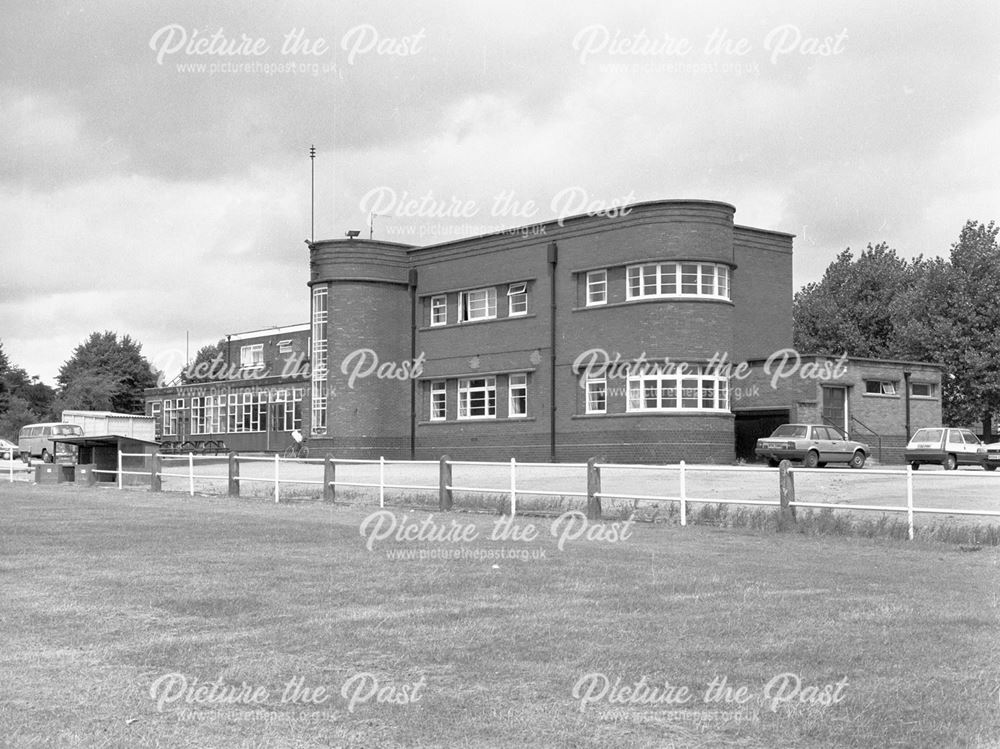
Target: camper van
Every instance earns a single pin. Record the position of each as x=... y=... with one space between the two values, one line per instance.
x=35 y=441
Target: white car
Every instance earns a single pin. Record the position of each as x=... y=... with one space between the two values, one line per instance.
x=946 y=447
x=992 y=456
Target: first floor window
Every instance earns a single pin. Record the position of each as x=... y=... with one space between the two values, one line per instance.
x=597 y=287
x=439 y=401
x=677 y=279
x=518 y=386
x=517 y=296
x=252 y=356
x=477 y=398
x=690 y=390
x=480 y=304
x=597 y=396
x=922 y=389
x=439 y=310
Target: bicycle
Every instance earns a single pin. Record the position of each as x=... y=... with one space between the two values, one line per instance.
x=297 y=451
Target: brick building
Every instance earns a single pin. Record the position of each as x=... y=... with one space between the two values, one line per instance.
x=590 y=335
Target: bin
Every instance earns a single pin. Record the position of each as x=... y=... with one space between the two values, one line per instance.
x=54 y=473
x=85 y=474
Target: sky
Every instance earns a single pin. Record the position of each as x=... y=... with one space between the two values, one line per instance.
x=155 y=172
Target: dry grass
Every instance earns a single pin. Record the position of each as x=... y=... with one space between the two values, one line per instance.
x=106 y=591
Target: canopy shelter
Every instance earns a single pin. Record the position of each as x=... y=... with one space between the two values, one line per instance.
x=100 y=453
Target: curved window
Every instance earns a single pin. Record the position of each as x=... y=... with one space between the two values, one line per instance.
x=657 y=280
x=687 y=390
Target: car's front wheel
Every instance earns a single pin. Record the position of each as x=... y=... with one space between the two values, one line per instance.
x=773 y=462
x=915 y=465
x=811 y=460
x=990 y=467
x=950 y=463
x=857 y=460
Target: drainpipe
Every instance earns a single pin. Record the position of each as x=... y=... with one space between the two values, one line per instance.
x=413 y=358
x=906 y=398
x=553 y=260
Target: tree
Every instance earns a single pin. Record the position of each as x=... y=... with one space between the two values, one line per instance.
x=108 y=371
x=951 y=315
x=853 y=308
x=23 y=399
x=207 y=363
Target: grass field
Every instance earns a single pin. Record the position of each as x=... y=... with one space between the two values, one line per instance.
x=136 y=619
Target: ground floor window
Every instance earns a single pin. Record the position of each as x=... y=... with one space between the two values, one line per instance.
x=597 y=396
x=248 y=411
x=287 y=409
x=172 y=417
x=319 y=407
x=518 y=391
x=477 y=398
x=439 y=401
x=208 y=414
x=689 y=390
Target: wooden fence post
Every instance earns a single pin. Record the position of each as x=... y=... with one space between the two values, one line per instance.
x=155 y=480
x=444 y=481
x=234 y=475
x=329 y=476
x=593 y=490
x=786 y=494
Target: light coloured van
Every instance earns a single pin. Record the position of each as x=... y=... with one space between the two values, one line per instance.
x=35 y=441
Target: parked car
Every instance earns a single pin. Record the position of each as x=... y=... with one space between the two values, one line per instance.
x=814 y=444
x=945 y=446
x=992 y=456
x=8 y=450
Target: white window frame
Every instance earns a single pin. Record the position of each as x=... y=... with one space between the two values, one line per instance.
x=472 y=308
x=439 y=304
x=597 y=288
x=248 y=411
x=287 y=409
x=468 y=393
x=252 y=356
x=517 y=383
x=320 y=354
x=690 y=391
x=885 y=388
x=438 y=401
x=669 y=280
x=931 y=388
x=517 y=299
x=596 y=393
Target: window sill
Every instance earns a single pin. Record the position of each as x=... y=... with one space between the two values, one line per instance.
x=655 y=300
x=647 y=414
x=454 y=325
x=484 y=420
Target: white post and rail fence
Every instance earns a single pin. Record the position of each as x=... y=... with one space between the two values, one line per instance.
x=786 y=502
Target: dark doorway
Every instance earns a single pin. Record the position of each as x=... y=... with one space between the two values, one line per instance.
x=751 y=425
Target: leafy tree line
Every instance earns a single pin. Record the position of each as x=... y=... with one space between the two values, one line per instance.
x=104 y=373
x=947 y=311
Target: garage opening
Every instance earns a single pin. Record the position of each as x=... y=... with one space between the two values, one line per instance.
x=751 y=425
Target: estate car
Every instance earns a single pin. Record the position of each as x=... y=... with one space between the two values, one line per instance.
x=945 y=446
x=814 y=444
